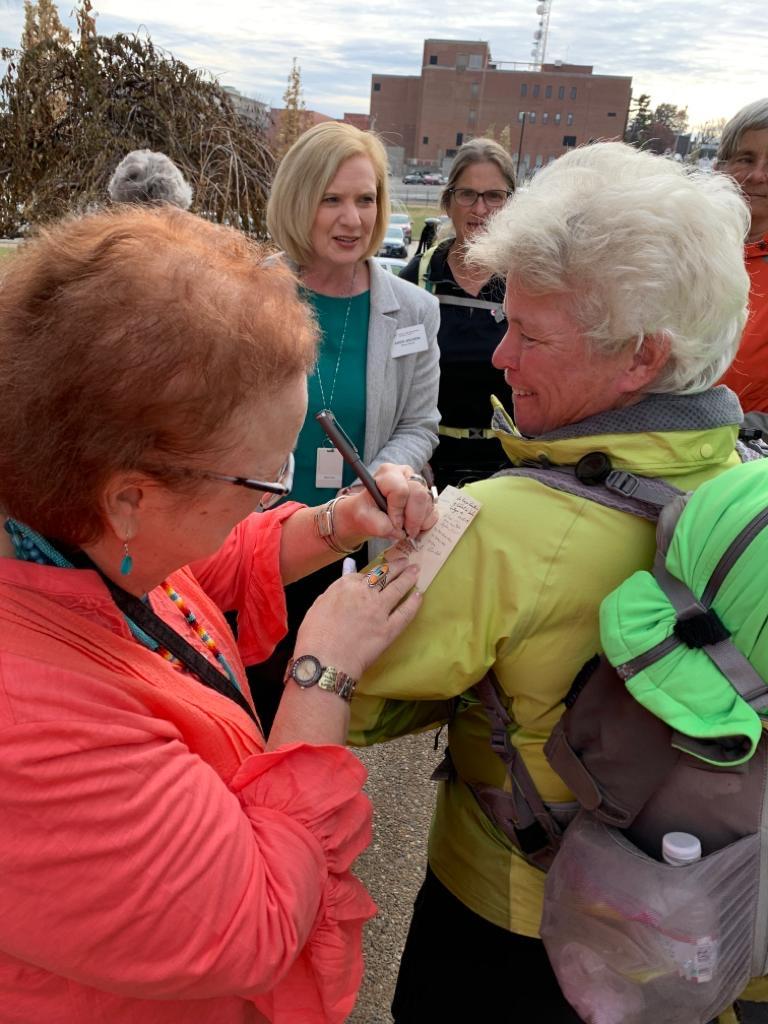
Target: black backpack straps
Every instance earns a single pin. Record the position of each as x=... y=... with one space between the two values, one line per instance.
x=521 y=813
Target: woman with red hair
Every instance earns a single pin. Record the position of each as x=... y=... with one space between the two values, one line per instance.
x=159 y=862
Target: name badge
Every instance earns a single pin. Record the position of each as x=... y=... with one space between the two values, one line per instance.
x=409 y=340
x=329 y=467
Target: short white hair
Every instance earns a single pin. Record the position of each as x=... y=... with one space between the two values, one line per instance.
x=645 y=247
x=144 y=176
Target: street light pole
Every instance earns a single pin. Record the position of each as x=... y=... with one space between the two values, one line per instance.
x=520 y=143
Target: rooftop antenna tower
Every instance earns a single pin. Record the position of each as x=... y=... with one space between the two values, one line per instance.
x=539 y=50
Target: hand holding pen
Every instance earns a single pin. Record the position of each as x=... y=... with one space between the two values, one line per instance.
x=396 y=490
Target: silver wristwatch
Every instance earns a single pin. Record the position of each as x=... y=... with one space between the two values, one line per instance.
x=307 y=671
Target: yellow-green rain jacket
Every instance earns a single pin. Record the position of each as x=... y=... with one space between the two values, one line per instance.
x=521 y=593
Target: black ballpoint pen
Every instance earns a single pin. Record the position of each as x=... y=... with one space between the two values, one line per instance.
x=350 y=454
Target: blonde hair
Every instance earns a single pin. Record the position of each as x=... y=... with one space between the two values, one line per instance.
x=303 y=176
x=644 y=246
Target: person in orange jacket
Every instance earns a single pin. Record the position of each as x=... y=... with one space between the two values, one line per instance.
x=743 y=155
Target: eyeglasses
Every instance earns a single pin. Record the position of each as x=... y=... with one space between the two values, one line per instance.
x=493 y=198
x=274 y=491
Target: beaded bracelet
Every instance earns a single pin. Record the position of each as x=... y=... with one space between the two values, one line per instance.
x=325 y=528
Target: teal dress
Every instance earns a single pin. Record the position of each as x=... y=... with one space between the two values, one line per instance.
x=342 y=390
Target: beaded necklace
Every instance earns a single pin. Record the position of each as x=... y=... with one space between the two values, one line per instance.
x=31 y=546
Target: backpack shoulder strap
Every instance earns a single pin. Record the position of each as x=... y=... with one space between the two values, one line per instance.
x=426 y=259
x=640 y=496
x=519 y=812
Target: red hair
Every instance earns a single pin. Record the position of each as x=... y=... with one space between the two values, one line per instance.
x=128 y=338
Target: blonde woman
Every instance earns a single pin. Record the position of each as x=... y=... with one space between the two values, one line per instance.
x=377 y=365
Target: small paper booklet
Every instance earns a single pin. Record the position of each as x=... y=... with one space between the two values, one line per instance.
x=455 y=510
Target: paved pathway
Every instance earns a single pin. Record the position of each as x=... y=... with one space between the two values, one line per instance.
x=393 y=866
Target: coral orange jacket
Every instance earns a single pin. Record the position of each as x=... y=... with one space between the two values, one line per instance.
x=156 y=866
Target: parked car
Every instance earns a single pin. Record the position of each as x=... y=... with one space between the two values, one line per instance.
x=404 y=221
x=414 y=178
x=389 y=263
x=433 y=179
x=394 y=243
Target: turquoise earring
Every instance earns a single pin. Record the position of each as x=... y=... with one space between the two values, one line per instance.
x=126 y=566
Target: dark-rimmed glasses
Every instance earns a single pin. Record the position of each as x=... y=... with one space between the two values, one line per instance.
x=274 y=491
x=492 y=197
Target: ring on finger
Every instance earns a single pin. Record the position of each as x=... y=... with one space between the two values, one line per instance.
x=419 y=479
x=377 y=577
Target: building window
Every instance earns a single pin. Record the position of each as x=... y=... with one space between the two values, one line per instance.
x=462 y=59
x=573 y=92
x=569 y=119
x=535 y=91
x=611 y=113
x=472 y=117
x=377 y=86
x=450 y=152
x=425 y=140
x=474 y=90
x=475 y=60
x=521 y=115
x=557 y=118
x=569 y=140
x=523 y=89
x=561 y=93
x=532 y=117
x=459 y=138
x=539 y=160
x=544 y=117
x=548 y=92
x=433 y=59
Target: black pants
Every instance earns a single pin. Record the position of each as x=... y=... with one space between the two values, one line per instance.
x=458 y=967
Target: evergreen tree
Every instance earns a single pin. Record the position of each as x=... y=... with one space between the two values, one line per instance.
x=640 y=121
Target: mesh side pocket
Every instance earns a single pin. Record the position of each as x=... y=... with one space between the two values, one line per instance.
x=637 y=941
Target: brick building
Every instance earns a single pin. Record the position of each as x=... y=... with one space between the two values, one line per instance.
x=462 y=91
x=312 y=118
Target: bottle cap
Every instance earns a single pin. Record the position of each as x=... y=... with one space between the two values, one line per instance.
x=680 y=848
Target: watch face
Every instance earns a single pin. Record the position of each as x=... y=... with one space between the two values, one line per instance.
x=306 y=670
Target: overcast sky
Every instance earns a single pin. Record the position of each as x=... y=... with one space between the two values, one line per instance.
x=706 y=54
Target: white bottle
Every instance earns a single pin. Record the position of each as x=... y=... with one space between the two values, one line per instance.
x=689 y=930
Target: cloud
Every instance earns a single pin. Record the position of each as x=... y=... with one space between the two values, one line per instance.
x=702 y=53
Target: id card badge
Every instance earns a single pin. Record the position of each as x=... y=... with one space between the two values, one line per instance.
x=409 y=340
x=329 y=467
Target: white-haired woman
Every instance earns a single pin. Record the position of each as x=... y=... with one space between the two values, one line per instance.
x=377 y=366
x=743 y=155
x=481 y=181
x=144 y=176
x=625 y=298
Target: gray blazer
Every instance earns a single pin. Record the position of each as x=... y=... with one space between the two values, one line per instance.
x=401 y=414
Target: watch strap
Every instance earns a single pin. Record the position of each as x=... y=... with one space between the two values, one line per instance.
x=335 y=681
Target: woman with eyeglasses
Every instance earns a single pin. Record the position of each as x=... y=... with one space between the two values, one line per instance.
x=481 y=181
x=160 y=862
